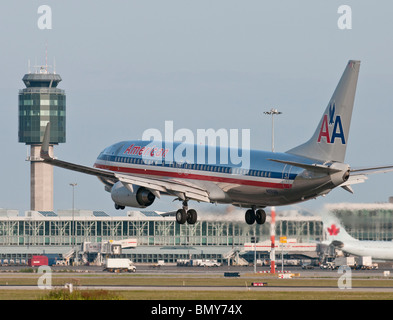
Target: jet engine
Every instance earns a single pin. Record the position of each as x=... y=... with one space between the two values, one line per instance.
x=140 y=197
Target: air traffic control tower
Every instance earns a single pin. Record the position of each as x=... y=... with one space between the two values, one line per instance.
x=40 y=102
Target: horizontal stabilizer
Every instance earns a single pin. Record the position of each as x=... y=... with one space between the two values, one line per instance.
x=348 y=188
x=371 y=170
x=354 y=179
x=316 y=167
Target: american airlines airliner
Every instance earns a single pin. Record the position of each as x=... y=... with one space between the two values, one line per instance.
x=137 y=172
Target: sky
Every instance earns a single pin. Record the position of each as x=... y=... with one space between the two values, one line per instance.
x=128 y=66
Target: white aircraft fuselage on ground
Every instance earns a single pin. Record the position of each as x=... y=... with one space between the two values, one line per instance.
x=338 y=237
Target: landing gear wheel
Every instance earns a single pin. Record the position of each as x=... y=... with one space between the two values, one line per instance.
x=260 y=216
x=181 y=216
x=250 y=216
x=192 y=216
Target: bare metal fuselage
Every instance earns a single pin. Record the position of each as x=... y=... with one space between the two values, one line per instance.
x=262 y=183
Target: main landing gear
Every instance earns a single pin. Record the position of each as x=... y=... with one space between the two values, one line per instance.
x=185 y=214
x=253 y=215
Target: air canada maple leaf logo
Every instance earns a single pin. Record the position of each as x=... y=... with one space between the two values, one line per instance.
x=333 y=230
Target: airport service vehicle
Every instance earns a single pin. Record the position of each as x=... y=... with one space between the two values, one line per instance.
x=327 y=265
x=36 y=261
x=209 y=263
x=61 y=263
x=119 y=265
x=307 y=266
x=364 y=262
x=344 y=261
x=137 y=172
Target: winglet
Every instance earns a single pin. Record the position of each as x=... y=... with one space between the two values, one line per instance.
x=45 y=143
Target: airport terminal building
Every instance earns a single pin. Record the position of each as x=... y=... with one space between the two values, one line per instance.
x=156 y=237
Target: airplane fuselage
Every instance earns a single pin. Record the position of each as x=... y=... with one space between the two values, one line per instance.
x=380 y=250
x=253 y=180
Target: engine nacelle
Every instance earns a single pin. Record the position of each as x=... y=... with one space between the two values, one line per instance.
x=139 y=198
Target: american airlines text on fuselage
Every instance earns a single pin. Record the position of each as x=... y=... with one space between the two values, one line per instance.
x=146 y=151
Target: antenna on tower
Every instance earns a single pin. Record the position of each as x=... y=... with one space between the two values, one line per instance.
x=46 y=57
x=54 y=65
x=28 y=66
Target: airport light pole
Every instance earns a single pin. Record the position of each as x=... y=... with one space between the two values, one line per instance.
x=272 y=112
x=273 y=241
x=73 y=185
x=254 y=240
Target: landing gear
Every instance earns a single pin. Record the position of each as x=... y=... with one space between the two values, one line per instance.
x=183 y=215
x=118 y=207
x=260 y=216
x=192 y=216
x=253 y=215
x=250 y=216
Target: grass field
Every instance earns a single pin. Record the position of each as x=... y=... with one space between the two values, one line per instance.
x=213 y=295
x=198 y=280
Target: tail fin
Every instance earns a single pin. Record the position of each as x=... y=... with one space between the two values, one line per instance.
x=330 y=139
x=334 y=229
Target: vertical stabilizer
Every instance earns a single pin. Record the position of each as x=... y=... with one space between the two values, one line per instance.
x=334 y=230
x=330 y=139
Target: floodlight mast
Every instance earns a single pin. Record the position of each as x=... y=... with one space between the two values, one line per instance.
x=273 y=112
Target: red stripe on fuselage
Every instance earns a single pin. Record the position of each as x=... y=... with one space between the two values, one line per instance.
x=192 y=176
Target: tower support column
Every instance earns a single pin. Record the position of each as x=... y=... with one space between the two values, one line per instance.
x=41 y=181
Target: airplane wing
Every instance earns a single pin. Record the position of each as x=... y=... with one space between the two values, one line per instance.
x=181 y=189
x=76 y=167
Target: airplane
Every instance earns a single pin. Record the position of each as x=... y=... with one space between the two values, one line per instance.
x=337 y=236
x=137 y=172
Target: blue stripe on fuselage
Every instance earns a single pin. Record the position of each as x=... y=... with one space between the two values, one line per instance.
x=203 y=158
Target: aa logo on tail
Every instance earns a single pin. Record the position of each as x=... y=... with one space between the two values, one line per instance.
x=331 y=128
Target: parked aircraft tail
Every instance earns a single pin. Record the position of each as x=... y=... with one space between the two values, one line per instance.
x=330 y=139
x=334 y=229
